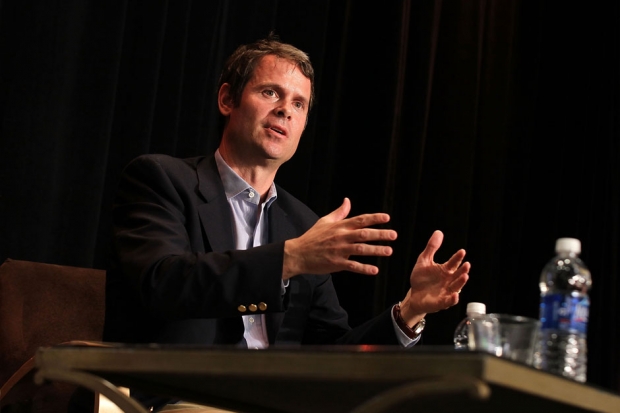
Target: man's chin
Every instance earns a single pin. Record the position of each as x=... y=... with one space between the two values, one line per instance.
x=276 y=161
x=276 y=155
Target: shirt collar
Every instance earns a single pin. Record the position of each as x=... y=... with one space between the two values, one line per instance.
x=234 y=184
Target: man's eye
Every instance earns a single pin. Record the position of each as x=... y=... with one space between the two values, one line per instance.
x=269 y=92
x=299 y=105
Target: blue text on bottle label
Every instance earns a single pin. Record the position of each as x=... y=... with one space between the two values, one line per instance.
x=564 y=312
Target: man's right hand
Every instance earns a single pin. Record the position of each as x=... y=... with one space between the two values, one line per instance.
x=333 y=239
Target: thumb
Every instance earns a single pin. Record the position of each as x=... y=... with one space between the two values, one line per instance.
x=341 y=212
x=432 y=246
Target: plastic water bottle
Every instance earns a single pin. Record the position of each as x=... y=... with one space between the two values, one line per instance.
x=464 y=339
x=564 y=309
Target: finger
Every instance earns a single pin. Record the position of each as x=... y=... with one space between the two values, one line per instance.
x=463 y=269
x=339 y=213
x=457 y=285
x=368 y=220
x=370 y=250
x=449 y=301
x=455 y=261
x=371 y=234
x=432 y=246
x=359 y=268
x=453 y=300
x=345 y=208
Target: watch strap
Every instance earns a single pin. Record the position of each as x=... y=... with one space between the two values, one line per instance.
x=411 y=332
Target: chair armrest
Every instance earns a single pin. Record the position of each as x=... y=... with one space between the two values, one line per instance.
x=23 y=383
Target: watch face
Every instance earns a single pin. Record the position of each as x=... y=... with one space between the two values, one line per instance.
x=419 y=327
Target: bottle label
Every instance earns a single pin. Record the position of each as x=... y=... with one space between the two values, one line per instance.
x=564 y=312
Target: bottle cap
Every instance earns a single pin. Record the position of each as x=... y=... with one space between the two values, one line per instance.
x=568 y=245
x=478 y=308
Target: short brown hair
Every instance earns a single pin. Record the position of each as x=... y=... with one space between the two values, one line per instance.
x=240 y=66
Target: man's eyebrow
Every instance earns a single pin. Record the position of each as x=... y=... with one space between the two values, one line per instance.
x=267 y=84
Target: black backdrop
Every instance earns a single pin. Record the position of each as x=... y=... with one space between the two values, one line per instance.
x=494 y=121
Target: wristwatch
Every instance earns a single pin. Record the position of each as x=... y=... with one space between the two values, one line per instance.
x=411 y=332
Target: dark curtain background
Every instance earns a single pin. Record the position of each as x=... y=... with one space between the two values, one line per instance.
x=494 y=121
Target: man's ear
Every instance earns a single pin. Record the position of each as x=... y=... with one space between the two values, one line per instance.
x=225 y=100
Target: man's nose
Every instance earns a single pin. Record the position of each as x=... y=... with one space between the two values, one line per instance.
x=282 y=111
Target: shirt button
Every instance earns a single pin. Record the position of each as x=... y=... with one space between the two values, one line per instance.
x=251 y=194
x=251 y=319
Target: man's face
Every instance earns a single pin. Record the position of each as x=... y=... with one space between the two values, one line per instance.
x=266 y=124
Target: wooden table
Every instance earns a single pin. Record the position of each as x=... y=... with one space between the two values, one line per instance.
x=326 y=379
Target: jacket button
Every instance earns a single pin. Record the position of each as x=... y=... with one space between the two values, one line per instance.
x=252 y=307
x=241 y=309
x=262 y=306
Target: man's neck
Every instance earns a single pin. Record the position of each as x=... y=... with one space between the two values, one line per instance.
x=260 y=177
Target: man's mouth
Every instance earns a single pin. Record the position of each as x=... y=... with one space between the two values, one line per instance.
x=277 y=130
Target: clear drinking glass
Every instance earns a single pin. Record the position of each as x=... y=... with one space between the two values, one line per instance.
x=518 y=337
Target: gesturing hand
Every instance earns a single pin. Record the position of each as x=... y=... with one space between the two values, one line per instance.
x=333 y=239
x=434 y=286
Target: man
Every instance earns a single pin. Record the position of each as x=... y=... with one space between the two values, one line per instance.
x=209 y=250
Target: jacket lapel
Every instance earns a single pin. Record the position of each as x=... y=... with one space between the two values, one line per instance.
x=217 y=228
x=280 y=229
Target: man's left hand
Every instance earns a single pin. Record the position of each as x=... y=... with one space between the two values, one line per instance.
x=434 y=286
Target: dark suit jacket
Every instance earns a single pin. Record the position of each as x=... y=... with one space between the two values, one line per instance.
x=175 y=276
